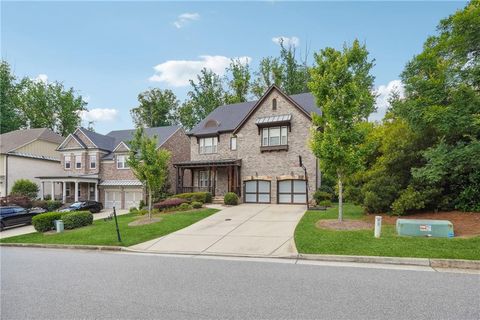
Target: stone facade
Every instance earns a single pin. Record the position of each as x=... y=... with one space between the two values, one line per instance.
x=272 y=165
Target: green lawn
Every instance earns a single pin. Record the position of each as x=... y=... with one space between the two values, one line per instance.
x=103 y=233
x=310 y=239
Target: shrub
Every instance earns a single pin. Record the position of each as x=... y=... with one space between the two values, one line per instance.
x=169 y=203
x=184 y=206
x=25 y=187
x=21 y=201
x=133 y=210
x=44 y=222
x=321 y=196
x=40 y=204
x=142 y=212
x=409 y=200
x=53 y=205
x=77 y=219
x=196 y=205
x=325 y=203
x=230 y=199
x=204 y=197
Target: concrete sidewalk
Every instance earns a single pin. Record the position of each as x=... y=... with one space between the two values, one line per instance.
x=17 y=231
x=247 y=229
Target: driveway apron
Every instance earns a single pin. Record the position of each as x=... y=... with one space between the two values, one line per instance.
x=247 y=229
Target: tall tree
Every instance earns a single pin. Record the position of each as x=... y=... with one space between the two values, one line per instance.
x=239 y=82
x=295 y=74
x=148 y=163
x=342 y=84
x=50 y=105
x=10 y=117
x=205 y=96
x=156 y=108
x=269 y=72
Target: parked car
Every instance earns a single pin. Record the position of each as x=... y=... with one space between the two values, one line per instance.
x=92 y=206
x=15 y=215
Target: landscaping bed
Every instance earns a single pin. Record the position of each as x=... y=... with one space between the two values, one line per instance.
x=312 y=238
x=103 y=232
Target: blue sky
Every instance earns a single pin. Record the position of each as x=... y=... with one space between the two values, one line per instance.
x=108 y=50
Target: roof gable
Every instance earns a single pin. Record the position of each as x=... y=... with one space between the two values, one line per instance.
x=71 y=142
x=13 y=140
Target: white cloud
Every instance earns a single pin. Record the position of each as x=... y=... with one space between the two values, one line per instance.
x=287 y=41
x=185 y=18
x=99 y=115
x=41 y=78
x=177 y=73
x=383 y=94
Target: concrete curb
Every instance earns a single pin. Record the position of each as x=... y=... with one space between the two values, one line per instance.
x=424 y=262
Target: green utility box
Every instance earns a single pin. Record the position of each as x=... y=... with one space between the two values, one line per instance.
x=425 y=228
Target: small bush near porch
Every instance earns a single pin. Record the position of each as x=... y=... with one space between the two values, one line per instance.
x=103 y=232
x=204 y=197
x=309 y=238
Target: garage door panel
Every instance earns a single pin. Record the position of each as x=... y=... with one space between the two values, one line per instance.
x=133 y=198
x=113 y=199
x=257 y=191
x=292 y=192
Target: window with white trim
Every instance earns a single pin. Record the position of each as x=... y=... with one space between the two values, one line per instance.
x=233 y=143
x=78 y=162
x=275 y=136
x=122 y=162
x=93 y=161
x=68 y=162
x=208 y=145
x=203 y=179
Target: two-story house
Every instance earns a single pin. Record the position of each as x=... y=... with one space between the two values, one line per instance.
x=95 y=165
x=26 y=154
x=253 y=149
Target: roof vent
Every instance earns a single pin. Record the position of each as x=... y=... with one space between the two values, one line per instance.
x=211 y=124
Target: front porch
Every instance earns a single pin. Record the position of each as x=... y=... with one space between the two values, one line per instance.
x=71 y=188
x=215 y=176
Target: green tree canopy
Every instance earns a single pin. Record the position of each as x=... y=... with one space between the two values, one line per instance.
x=10 y=115
x=342 y=84
x=25 y=187
x=156 y=108
x=239 y=82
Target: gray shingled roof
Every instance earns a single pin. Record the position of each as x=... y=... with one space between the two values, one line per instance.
x=229 y=116
x=162 y=133
x=101 y=141
x=12 y=140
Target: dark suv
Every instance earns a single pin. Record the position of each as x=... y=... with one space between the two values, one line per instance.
x=92 y=206
x=15 y=215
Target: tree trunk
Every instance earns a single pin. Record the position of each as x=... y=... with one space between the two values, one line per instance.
x=149 y=203
x=340 y=198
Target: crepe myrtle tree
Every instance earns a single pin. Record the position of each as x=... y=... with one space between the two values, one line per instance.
x=342 y=84
x=148 y=163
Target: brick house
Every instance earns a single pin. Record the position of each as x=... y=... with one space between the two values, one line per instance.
x=253 y=149
x=95 y=168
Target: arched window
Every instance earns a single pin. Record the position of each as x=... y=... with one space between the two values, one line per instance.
x=274 y=104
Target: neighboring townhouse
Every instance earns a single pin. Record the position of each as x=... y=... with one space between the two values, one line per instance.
x=253 y=149
x=94 y=166
x=26 y=154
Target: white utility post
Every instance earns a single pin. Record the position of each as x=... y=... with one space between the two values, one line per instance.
x=378 y=226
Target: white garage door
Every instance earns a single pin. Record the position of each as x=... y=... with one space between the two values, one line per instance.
x=292 y=191
x=132 y=199
x=113 y=199
x=257 y=191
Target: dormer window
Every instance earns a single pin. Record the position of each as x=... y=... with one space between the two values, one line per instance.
x=211 y=124
x=122 y=162
x=274 y=104
x=208 y=145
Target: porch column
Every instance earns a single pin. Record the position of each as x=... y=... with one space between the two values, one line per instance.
x=64 y=191
x=209 y=184
x=42 y=187
x=76 y=191
x=96 y=191
x=53 y=190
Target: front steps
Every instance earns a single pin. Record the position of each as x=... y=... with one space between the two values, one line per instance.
x=217 y=200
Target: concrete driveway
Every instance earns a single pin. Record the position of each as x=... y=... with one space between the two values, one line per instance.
x=16 y=231
x=247 y=229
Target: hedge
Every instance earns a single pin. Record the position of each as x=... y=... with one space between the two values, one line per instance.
x=169 y=203
x=44 y=222
x=196 y=204
x=77 y=219
x=204 y=197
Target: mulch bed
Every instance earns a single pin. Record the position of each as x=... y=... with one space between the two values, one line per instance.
x=143 y=221
x=334 y=224
x=465 y=224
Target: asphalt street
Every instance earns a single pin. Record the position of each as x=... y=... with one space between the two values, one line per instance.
x=63 y=284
